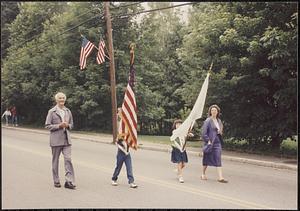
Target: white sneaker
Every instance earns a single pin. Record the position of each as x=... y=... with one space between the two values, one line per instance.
x=181 y=179
x=114 y=183
x=133 y=185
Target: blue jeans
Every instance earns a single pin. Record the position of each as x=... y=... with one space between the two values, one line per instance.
x=121 y=158
x=14 y=120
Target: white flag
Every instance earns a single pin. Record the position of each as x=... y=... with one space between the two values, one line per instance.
x=196 y=113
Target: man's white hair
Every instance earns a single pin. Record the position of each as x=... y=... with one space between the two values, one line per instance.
x=60 y=94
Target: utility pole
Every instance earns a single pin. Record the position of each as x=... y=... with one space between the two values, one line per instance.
x=112 y=70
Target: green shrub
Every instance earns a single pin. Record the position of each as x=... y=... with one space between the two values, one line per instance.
x=289 y=146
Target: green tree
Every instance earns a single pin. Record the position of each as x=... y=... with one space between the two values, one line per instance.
x=254 y=74
x=9 y=11
x=160 y=35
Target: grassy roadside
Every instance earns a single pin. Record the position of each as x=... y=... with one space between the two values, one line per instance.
x=288 y=147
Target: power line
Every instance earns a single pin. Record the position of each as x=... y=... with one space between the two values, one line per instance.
x=154 y=10
x=49 y=41
x=118 y=16
x=30 y=39
x=126 y=5
x=39 y=27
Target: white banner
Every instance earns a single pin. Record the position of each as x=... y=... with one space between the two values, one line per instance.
x=196 y=113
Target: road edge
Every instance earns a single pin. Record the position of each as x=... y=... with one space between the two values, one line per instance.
x=153 y=148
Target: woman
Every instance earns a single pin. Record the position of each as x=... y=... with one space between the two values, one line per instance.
x=212 y=131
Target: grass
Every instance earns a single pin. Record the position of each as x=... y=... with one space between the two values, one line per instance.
x=288 y=148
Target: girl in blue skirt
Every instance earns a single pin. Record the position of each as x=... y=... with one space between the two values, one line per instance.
x=178 y=154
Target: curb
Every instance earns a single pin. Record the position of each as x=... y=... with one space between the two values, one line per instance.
x=198 y=154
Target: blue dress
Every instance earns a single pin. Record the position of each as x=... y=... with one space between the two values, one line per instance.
x=213 y=158
x=209 y=133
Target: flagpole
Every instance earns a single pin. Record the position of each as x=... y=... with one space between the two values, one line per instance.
x=211 y=65
x=112 y=71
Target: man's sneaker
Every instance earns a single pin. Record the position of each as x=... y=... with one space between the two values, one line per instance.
x=133 y=185
x=181 y=179
x=114 y=183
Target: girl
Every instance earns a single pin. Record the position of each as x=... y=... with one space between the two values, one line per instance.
x=178 y=154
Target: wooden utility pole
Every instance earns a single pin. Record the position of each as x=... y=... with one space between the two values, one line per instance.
x=112 y=70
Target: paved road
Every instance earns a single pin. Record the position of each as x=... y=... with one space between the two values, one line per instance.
x=27 y=180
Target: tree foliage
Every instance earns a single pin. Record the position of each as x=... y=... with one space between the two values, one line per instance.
x=252 y=46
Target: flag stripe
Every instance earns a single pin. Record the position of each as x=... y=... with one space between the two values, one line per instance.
x=101 y=54
x=132 y=134
x=130 y=116
x=131 y=96
x=129 y=100
x=86 y=49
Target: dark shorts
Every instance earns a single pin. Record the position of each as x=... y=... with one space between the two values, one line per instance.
x=177 y=156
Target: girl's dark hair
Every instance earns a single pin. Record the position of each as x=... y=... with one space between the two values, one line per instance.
x=175 y=122
x=214 y=106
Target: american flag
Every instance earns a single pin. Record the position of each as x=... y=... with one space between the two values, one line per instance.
x=128 y=124
x=101 y=54
x=86 y=49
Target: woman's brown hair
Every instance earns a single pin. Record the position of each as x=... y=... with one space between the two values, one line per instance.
x=214 y=106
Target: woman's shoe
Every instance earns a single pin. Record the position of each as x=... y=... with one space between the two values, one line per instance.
x=222 y=181
x=203 y=177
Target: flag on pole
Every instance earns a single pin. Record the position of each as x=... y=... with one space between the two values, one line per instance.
x=179 y=134
x=101 y=55
x=128 y=124
x=86 y=49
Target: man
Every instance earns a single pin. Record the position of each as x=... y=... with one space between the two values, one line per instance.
x=123 y=156
x=59 y=121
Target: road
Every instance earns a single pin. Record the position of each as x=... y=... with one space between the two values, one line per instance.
x=27 y=180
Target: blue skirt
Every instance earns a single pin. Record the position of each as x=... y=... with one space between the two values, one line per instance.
x=177 y=156
x=213 y=158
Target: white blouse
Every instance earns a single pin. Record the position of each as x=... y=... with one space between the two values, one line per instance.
x=216 y=124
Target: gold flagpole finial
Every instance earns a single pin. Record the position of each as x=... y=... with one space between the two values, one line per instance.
x=131 y=47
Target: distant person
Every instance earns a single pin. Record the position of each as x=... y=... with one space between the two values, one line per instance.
x=14 y=115
x=123 y=156
x=60 y=121
x=7 y=115
x=178 y=154
x=212 y=131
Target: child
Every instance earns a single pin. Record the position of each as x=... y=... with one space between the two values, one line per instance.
x=178 y=154
x=123 y=155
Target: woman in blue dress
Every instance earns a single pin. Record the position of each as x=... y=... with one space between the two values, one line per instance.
x=212 y=131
